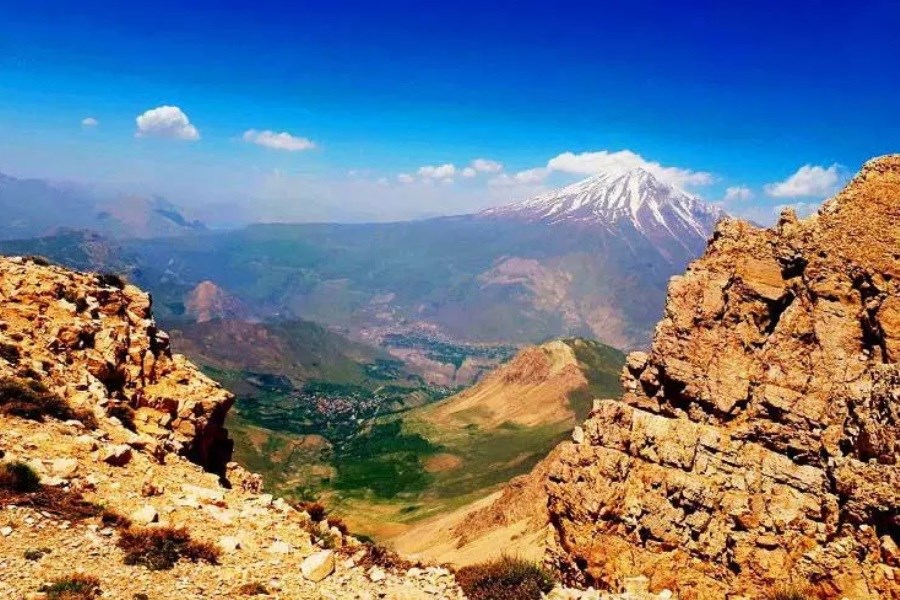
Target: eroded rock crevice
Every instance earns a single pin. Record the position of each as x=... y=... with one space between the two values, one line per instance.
x=758 y=440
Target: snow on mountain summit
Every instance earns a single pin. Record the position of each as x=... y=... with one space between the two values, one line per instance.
x=610 y=199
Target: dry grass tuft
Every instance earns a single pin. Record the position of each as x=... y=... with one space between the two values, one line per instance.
x=159 y=548
x=505 y=579
x=254 y=588
x=73 y=587
x=18 y=478
x=31 y=400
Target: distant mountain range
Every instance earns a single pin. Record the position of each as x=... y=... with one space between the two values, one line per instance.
x=591 y=259
x=35 y=207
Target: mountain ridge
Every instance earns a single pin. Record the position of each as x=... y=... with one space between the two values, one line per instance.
x=617 y=201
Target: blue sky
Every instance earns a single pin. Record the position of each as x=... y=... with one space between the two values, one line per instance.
x=713 y=96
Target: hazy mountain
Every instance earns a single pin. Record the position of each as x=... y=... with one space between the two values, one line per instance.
x=591 y=259
x=34 y=207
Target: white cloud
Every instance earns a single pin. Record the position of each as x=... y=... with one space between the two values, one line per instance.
x=89 y=122
x=278 y=141
x=484 y=165
x=405 y=178
x=382 y=181
x=469 y=172
x=604 y=161
x=437 y=172
x=809 y=180
x=168 y=122
x=527 y=177
x=447 y=181
x=738 y=193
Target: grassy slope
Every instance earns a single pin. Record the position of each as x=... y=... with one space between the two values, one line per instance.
x=484 y=457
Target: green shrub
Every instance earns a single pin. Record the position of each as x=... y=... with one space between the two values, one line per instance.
x=159 y=548
x=19 y=478
x=73 y=587
x=505 y=579
x=36 y=554
x=28 y=399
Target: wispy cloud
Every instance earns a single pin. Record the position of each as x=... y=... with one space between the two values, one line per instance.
x=809 y=180
x=437 y=171
x=485 y=165
x=738 y=193
x=89 y=122
x=166 y=122
x=527 y=177
x=278 y=141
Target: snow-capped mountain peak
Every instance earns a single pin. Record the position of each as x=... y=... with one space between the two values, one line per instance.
x=634 y=197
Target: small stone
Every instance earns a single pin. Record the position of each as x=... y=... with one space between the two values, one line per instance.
x=279 y=547
x=578 y=435
x=6 y=531
x=229 y=544
x=118 y=455
x=64 y=467
x=376 y=574
x=150 y=488
x=318 y=566
x=145 y=515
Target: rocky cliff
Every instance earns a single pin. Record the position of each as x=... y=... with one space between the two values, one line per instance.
x=114 y=478
x=92 y=340
x=757 y=443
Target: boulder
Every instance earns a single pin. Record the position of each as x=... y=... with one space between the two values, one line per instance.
x=318 y=566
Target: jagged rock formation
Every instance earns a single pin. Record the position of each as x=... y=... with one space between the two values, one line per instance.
x=95 y=343
x=758 y=441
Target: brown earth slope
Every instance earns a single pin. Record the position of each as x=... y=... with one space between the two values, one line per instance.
x=757 y=443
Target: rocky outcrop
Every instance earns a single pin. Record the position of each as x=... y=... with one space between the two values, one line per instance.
x=93 y=341
x=758 y=442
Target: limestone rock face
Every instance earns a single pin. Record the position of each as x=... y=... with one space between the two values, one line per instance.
x=758 y=442
x=98 y=346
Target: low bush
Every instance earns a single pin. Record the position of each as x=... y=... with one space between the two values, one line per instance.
x=21 y=487
x=338 y=524
x=111 y=280
x=73 y=587
x=36 y=554
x=315 y=510
x=379 y=556
x=505 y=579
x=159 y=548
x=19 y=478
x=111 y=518
x=28 y=399
x=254 y=588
